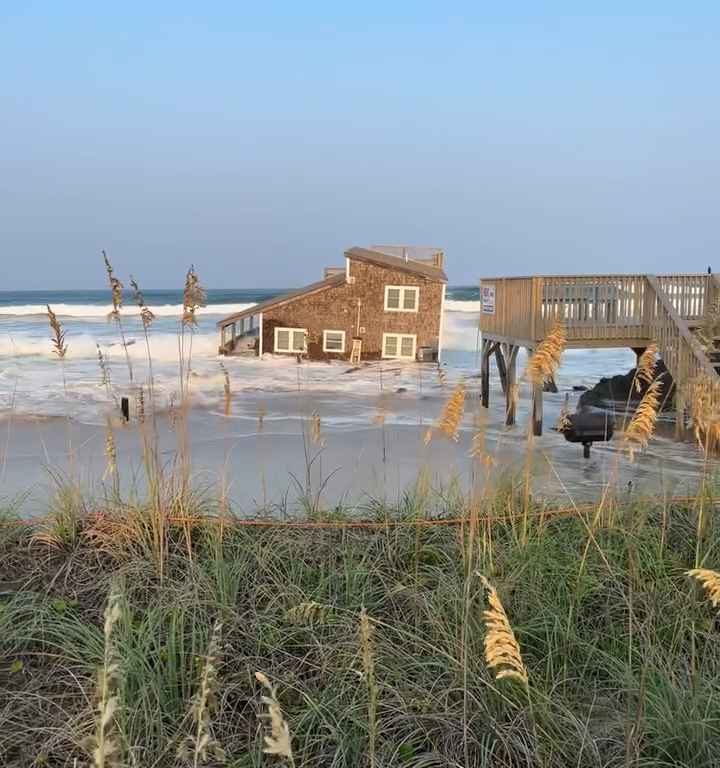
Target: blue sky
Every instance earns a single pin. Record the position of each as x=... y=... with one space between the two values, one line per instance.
x=258 y=140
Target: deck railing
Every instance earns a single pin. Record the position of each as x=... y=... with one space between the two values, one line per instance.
x=605 y=310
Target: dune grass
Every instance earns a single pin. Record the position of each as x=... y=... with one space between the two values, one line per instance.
x=361 y=636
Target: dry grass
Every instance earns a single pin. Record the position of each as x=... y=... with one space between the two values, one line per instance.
x=642 y=424
x=502 y=650
x=367 y=655
x=710 y=581
x=645 y=371
x=116 y=288
x=104 y=745
x=227 y=391
x=278 y=742
x=58 y=338
x=200 y=745
x=703 y=399
x=147 y=316
x=451 y=416
x=194 y=297
x=545 y=361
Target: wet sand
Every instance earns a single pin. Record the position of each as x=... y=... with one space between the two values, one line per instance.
x=357 y=461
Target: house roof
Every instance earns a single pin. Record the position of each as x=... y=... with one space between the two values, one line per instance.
x=321 y=285
x=396 y=262
x=360 y=254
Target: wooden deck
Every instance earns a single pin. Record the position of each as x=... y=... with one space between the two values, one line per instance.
x=597 y=311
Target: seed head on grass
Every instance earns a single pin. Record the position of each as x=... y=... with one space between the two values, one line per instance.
x=58 y=337
x=227 y=392
x=110 y=452
x=199 y=746
x=502 y=650
x=703 y=399
x=308 y=613
x=645 y=371
x=146 y=314
x=642 y=424
x=545 y=361
x=278 y=741
x=104 y=745
x=449 y=421
x=367 y=654
x=115 y=289
x=194 y=297
x=710 y=581
x=316 y=428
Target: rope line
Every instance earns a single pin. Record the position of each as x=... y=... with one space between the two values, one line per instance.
x=547 y=512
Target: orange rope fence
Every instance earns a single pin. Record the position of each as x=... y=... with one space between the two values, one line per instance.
x=264 y=523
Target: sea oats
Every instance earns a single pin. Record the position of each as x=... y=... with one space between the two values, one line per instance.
x=642 y=424
x=449 y=422
x=227 y=392
x=710 y=581
x=194 y=297
x=645 y=371
x=110 y=452
x=278 y=742
x=115 y=289
x=58 y=338
x=146 y=314
x=502 y=650
x=367 y=655
x=545 y=361
x=201 y=745
x=104 y=744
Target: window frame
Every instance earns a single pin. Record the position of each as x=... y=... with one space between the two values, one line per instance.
x=291 y=332
x=399 y=337
x=340 y=351
x=403 y=290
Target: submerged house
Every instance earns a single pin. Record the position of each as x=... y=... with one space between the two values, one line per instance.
x=385 y=302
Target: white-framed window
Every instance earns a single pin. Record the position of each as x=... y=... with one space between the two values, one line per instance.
x=402 y=298
x=290 y=340
x=334 y=341
x=399 y=345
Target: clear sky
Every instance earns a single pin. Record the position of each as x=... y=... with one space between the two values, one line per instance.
x=259 y=139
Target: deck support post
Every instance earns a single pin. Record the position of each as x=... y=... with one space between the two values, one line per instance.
x=679 y=415
x=537 y=410
x=485 y=373
x=537 y=404
x=511 y=353
x=501 y=366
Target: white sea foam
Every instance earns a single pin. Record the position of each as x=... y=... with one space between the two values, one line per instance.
x=103 y=310
x=454 y=305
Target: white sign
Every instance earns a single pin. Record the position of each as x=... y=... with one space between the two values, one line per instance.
x=487 y=299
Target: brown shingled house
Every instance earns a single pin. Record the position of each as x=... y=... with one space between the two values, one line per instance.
x=386 y=302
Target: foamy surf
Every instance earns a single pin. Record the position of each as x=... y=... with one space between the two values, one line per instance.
x=102 y=311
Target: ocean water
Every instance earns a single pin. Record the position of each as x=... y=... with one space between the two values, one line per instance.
x=34 y=383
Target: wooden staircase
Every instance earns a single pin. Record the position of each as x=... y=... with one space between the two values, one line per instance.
x=676 y=312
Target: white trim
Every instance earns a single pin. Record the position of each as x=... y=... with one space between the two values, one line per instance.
x=260 y=336
x=336 y=351
x=400 y=337
x=442 y=317
x=403 y=289
x=347 y=269
x=290 y=331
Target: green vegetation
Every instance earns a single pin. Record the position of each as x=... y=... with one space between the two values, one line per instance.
x=370 y=642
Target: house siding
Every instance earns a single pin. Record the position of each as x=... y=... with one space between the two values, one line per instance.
x=336 y=309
